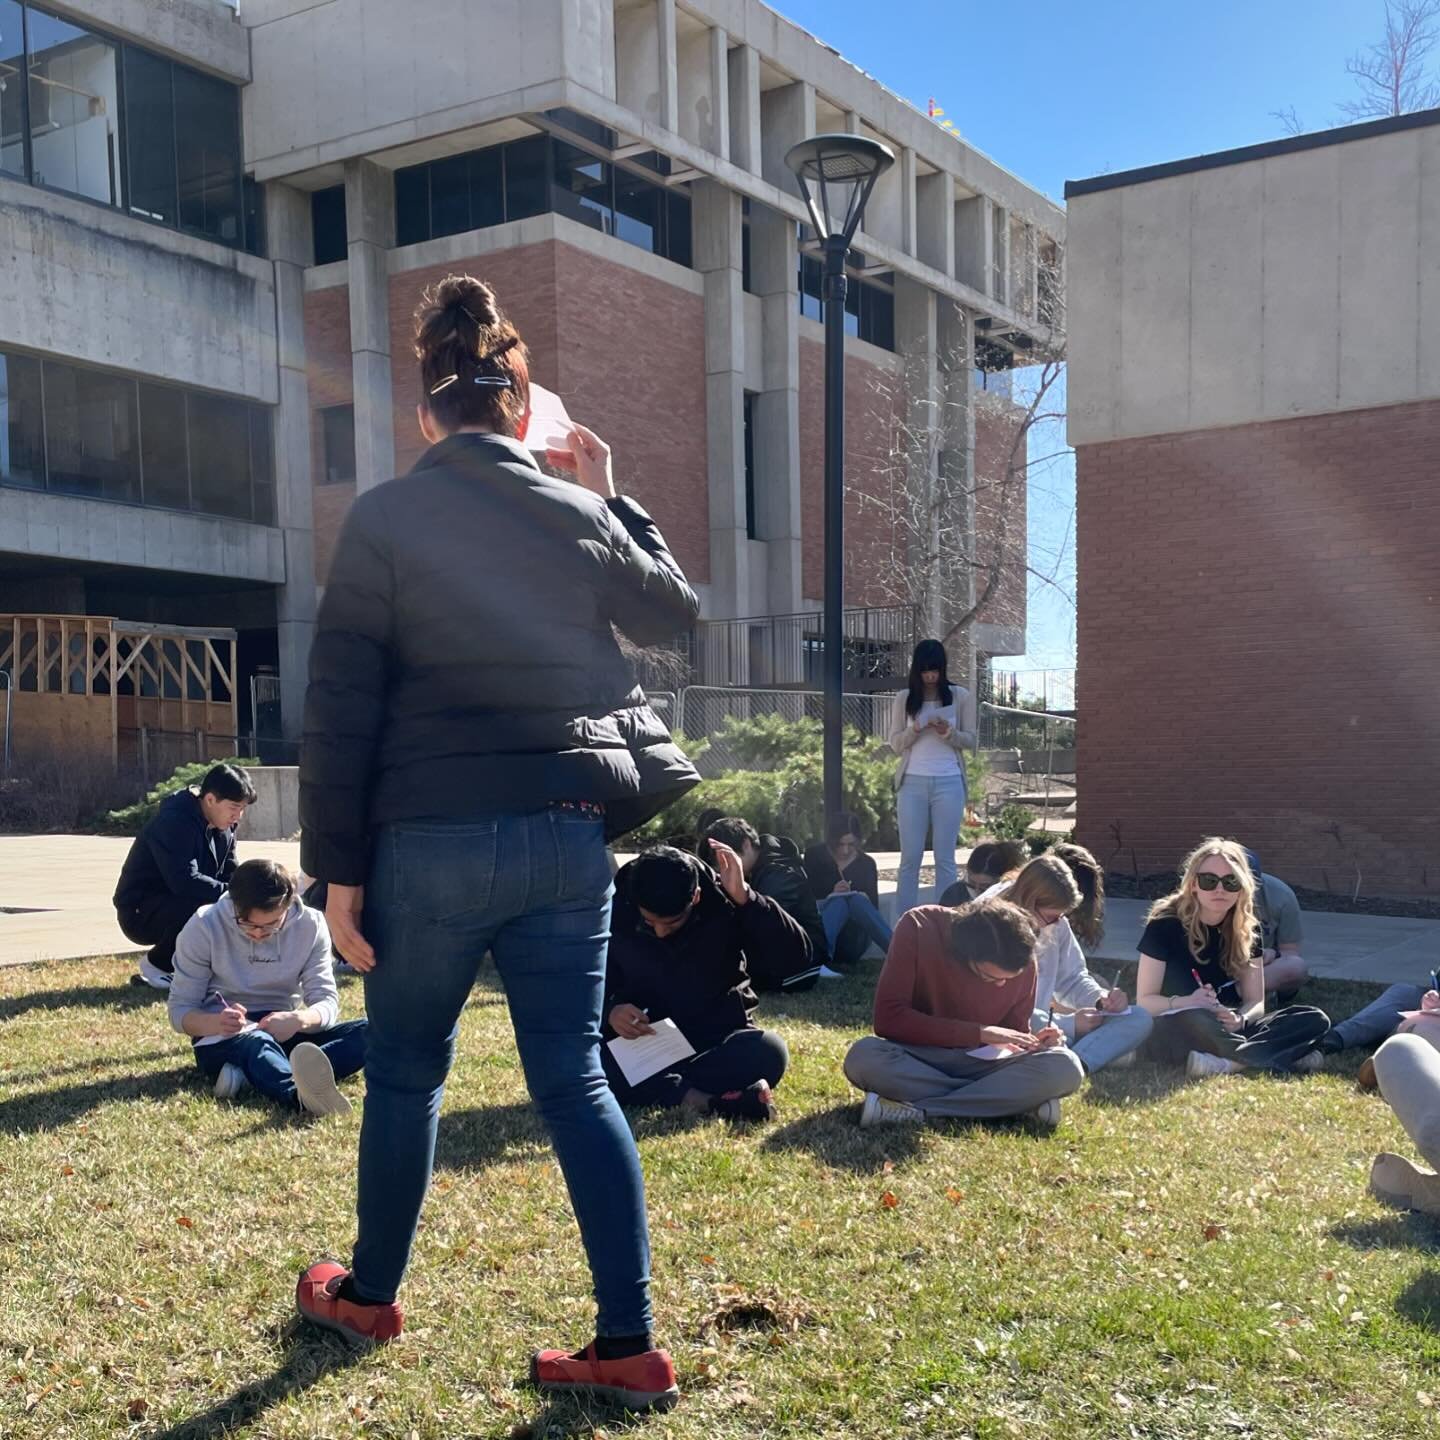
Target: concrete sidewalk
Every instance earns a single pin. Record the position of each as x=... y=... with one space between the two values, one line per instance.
x=57 y=889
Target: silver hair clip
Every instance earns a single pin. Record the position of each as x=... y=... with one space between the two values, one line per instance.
x=500 y=382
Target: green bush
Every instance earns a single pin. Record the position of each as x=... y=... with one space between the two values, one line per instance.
x=1014 y=822
x=132 y=819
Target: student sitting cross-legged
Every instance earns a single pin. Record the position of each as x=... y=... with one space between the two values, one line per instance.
x=956 y=981
x=680 y=940
x=846 y=886
x=255 y=990
x=1103 y=1027
x=1202 y=976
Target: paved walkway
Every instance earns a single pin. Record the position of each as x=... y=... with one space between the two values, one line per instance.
x=61 y=885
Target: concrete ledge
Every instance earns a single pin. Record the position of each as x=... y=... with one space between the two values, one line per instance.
x=275 y=815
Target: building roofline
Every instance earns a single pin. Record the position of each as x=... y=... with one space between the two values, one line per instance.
x=1293 y=144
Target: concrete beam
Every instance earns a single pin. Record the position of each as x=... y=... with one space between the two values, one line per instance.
x=744 y=67
x=720 y=89
x=669 y=65
x=935 y=221
x=370 y=215
x=908 y=199
x=787 y=115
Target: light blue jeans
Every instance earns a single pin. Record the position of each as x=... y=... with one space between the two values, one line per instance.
x=838 y=911
x=1108 y=1041
x=926 y=804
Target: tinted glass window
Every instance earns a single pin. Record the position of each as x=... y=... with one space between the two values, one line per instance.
x=91 y=433
x=327 y=219
x=12 y=92
x=637 y=211
x=163 y=450
x=450 y=195
x=810 y=281
x=220 y=456
x=74 y=109
x=877 y=316
x=254 y=200
x=487 y=188
x=338 y=426
x=150 y=136
x=412 y=205
x=751 y=520
x=207 y=150
x=582 y=187
x=677 y=229
x=22 y=415
x=526 y=177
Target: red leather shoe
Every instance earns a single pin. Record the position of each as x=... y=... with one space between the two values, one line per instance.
x=317 y=1301
x=639 y=1382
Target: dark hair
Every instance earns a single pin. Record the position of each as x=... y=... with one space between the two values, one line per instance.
x=261 y=885
x=929 y=655
x=474 y=368
x=229 y=782
x=996 y=858
x=662 y=880
x=843 y=823
x=1087 y=919
x=706 y=818
x=992 y=932
x=732 y=831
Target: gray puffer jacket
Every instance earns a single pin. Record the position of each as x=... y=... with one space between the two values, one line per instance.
x=465 y=663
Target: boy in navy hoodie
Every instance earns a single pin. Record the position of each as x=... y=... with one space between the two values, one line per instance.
x=254 y=988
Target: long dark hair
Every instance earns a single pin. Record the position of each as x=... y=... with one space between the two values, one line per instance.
x=929 y=655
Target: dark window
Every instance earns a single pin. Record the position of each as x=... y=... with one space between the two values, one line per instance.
x=450 y=195
x=585 y=127
x=582 y=188
x=853 y=291
x=220 y=456
x=752 y=528
x=22 y=423
x=164 y=452
x=253 y=197
x=677 y=228
x=91 y=433
x=327 y=219
x=262 y=463
x=877 y=315
x=487 y=188
x=74 y=109
x=811 y=279
x=746 y=279
x=527 y=177
x=638 y=211
x=338 y=427
x=12 y=89
x=207 y=154
x=150 y=136
x=412 y=205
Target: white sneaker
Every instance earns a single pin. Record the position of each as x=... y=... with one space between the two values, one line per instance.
x=1046 y=1115
x=230 y=1082
x=315 y=1081
x=1201 y=1064
x=1397 y=1182
x=1121 y=1061
x=1309 y=1064
x=826 y=973
x=153 y=976
x=879 y=1111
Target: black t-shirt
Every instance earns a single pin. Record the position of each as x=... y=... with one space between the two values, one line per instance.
x=824 y=874
x=1165 y=940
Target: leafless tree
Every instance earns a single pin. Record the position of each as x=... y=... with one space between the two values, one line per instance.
x=1392 y=74
x=1290 y=122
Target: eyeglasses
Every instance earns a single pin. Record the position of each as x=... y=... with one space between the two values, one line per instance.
x=263 y=930
x=1206 y=881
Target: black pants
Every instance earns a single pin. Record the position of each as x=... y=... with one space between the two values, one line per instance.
x=740 y=1059
x=1274 y=1042
x=157 y=921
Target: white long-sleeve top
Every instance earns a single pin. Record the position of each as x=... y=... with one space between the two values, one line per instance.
x=1061 y=971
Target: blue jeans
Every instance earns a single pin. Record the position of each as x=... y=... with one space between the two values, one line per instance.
x=927 y=803
x=535 y=891
x=1379 y=1019
x=1108 y=1041
x=266 y=1061
x=838 y=911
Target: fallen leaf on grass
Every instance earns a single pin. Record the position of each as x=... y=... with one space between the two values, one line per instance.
x=185 y=1222
x=954 y=1196
x=889 y=1200
x=138 y=1408
x=1213 y=1232
x=759 y=1310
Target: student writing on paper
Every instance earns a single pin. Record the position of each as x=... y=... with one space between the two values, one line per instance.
x=1046 y=889
x=956 y=980
x=1202 y=977
x=678 y=946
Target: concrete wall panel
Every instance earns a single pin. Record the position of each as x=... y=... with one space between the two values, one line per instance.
x=1428 y=367
x=1096 y=257
x=204 y=33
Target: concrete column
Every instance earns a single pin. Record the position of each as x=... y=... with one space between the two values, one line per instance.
x=907 y=200
x=287 y=224
x=669 y=65
x=935 y=221
x=974 y=243
x=370 y=216
x=774 y=276
x=717 y=224
x=999 y=254
x=720 y=89
x=853 y=122
x=744 y=67
x=787 y=115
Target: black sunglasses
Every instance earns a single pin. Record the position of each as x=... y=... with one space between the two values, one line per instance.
x=1206 y=881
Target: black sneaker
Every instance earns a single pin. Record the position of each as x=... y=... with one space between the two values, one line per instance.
x=1330 y=1043
x=754 y=1102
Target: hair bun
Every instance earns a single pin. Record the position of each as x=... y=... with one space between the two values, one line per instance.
x=474 y=297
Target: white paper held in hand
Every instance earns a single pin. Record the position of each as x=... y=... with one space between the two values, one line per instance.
x=648 y=1055
x=550 y=423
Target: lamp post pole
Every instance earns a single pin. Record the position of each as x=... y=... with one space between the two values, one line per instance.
x=834 y=288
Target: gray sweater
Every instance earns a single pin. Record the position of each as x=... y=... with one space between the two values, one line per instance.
x=290 y=969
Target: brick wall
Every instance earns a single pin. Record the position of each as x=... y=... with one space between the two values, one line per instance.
x=331 y=381
x=1259 y=639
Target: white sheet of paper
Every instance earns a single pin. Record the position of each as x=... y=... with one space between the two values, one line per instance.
x=650 y=1054
x=993 y=1052
x=1116 y=1014
x=550 y=423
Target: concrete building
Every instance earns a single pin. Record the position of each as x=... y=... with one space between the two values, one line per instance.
x=216 y=226
x=1255 y=405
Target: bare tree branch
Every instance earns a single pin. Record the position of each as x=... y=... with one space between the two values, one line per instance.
x=1391 y=74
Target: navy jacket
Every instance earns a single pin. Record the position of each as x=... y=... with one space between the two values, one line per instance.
x=179 y=854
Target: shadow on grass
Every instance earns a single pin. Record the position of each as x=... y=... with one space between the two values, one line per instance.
x=123 y=996
x=487 y=1134
x=126 y=1061
x=310 y=1356
x=1141 y=1084
x=572 y=1416
x=1404 y=1231
x=835 y=1137
x=1419 y=1301
x=50 y=1109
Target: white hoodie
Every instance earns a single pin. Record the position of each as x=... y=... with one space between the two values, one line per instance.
x=1060 y=966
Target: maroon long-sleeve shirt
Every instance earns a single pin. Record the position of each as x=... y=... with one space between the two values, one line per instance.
x=927 y=997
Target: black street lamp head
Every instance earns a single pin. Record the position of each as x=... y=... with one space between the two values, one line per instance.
x=836 y=174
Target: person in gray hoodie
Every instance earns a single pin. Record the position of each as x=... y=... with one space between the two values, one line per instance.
x=254 y=988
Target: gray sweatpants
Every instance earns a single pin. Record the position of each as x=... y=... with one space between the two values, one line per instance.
x=944 y=1082
x=1408 y=1069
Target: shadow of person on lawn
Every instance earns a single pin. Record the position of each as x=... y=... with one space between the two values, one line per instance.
x=488 y=1134
x=1419 y=1301
x=1404 y=1231
x=39 y=1110
x=310 y=1355
x=835 y=1137
x=122 y=996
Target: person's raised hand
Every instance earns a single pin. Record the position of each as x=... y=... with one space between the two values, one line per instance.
x=1430 y=1000
x=343 y=907
x=587 y=459
x=630 y=1022
x=942 y=726
x=281 y=1025
x=1204 y=999
x=1049 y=1038
x=1115 y=1002
x=842 y=887
x=731 y=871
x=231 y=1020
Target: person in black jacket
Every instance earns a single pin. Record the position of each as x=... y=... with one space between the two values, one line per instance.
x=473 y=733
x=181 y=860
x=772 y=866
x=679 y=951
x=845 y=885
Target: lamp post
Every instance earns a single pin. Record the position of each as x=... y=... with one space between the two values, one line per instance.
x=836 y=174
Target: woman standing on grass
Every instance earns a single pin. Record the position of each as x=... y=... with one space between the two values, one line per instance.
x=1202 y=977
x=472 y=735
x=932 y=722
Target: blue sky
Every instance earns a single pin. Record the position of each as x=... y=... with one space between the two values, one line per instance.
x=1058 y=90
